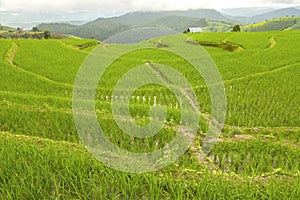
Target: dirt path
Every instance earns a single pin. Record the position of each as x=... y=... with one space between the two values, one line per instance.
x=159 y=74
x=9 y=57
x=192 y=102
x=185 y=131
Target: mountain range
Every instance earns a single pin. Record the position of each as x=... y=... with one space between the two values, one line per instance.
x=268 y=15
x=246 y=12
x=82 y=24
x=103 y=28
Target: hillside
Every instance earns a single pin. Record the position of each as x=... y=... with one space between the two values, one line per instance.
x=27 y=20
x=269 y=15
x=140 y=18
x=282 y=24
x=208 y=20
x=6 y=28
x=103 y=28
x=245 y=12
x=100 y=29
x=178 y=23
x=257 y=156
x=182 y=23
x=62 y=28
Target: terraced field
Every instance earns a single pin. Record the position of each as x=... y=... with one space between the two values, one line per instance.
x=257 y=156
x=276 y=24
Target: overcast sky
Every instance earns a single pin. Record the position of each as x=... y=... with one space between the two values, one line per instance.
x=133 y=5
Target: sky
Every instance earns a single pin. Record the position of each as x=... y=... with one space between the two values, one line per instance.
x=134 y=5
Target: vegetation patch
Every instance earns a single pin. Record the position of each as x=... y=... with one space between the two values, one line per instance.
x=256 y=157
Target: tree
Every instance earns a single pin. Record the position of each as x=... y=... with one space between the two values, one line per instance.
x=35 y=29
x=47 y=34
x=236 y=28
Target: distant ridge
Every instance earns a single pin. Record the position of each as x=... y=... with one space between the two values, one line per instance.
x=246 y=12
x=103 y=28
x=208 y=19
x=275 y=24
x=269 y=15
x=136 y=18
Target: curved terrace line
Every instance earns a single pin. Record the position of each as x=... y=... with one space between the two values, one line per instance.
x=223 y=45
x=82 y=47
x=9 y=57
x=262 y=73
x=273 y=42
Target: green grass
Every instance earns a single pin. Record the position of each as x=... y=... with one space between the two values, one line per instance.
x=208 y=37
x=78 y=42
x=44 y=169
x=256 y=157
x=5 y=45
x=250 y=41
x=42 y=156
x=64 y=60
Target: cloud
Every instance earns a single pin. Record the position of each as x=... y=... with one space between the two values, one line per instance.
x=130 y=5
x=285 y=1
x=62 y=5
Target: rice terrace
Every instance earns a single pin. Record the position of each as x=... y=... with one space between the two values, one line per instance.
x=257 y=155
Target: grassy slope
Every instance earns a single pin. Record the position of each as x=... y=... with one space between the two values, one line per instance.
x=283 y=23
x=36 y=168
x=262 y=89
x=261 y=76
x=182 y=23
